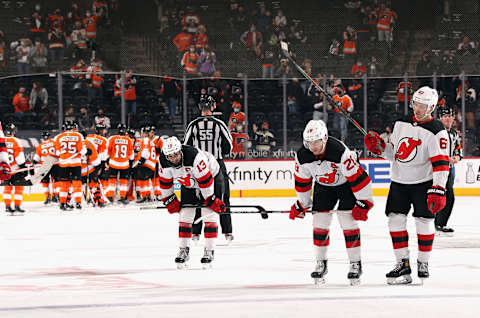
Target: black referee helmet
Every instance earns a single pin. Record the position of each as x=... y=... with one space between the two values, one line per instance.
x=207 y=102
x=444 y=110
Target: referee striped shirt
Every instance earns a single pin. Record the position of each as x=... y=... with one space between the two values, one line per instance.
x=209 y=134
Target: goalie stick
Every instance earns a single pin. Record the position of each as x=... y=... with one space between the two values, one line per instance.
x=40 y=172
x=284 y=47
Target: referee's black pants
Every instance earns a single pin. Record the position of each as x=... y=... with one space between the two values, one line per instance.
x=225 y=218
x=442 y=217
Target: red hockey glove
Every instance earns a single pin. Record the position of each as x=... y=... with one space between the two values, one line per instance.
x=172 y=203
x=5 y=171
x=360 y=210
x=374 y=143
x=436 y=199
x=215 y=204
x=297 y=211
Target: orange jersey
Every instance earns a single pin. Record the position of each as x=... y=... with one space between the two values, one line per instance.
x=149 y=153
x=101 y=144
x=45 y=149
x=69 y=148
x=236 y=119
x=346 y=101
x=16 y=156
x=120 y=152
x=89 y=162
x=239 y=143
x=90 y=24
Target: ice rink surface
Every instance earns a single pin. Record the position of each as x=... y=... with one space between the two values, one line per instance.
x=119 y=262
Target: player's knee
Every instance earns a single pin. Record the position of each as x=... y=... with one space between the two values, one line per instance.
x=346 y=221
x=187 y=215
x=397 y=222
x=322 y=220
x=424 y=225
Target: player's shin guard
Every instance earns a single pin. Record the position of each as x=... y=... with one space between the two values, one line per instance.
x=425 y=234
x=156 y=186
x=211 y=233
x=112 y=183
x=321 y=240
x=64 y=187
x=352 y=241
x=7 y=196
x=77 y=191
x=46 y=189
x=18 y=196
x=397 y=224
x=185 y=233
x=123 y=188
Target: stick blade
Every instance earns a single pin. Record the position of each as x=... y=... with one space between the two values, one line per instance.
x=284 y=47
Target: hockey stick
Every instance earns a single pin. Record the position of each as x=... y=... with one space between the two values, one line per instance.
x=284 y=47
x=259 y=208
x=266 y=212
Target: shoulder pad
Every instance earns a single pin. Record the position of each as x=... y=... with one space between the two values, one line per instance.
x=305 y=156
x=335 y=150
x=434 y=126
x=189 y=154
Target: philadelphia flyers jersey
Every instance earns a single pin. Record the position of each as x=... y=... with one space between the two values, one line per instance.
x=16 y=156
x=120 y=152
x=69 y=149
x=45 y=149
x=198 y=170
x=149 y=154
x=91 y=161
x=419 y=152
x=101 y=144
x=336 y=166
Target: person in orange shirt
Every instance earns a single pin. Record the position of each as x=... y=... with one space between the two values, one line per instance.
x=386 y=19
x=358 y=69
x=146 y=163
x=16 y=160
x=21 y=103
x=237 y=117
x=120 y=156
x=183 y=40
x=339 y=120
x=69 y=148
x=100 y=142
x=190 y=61
x=90 y=23
x=90 y=167
x=45 y=149
x=5 y=170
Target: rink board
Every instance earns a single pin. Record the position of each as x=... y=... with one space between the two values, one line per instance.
x=274 y=178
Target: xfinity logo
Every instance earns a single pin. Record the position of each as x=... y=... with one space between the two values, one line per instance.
x=264 y=175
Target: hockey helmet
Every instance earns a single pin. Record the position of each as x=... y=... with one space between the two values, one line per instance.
x=265 y=125
x=69 y=125
x=10 y=129
x=315 y=130
x=445 y=110
x=207 y=102
x=122 y=129
x=426 y=95
x=131 y=132
x=45 y=134
x=171 y=146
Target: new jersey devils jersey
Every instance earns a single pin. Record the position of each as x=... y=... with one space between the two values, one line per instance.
x=336 y=166
x=198 y=170
x=419 y=152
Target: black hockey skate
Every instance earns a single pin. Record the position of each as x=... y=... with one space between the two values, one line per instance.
x=400 y=274
x=123 y=201
x=444 y=231
x=207 y=259
x=65 y=207
x=321 y=269
x=182 y=257
x=19 y=209
x=78 y=206
x=422 y=270
x=229 y=238
x=144 y=200
x=9 y=209
x=47 y=200
x=355 y=272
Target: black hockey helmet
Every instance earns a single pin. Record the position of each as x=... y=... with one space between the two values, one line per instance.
x=445 y=110
x=69 y=125
x=207 y=102
x=45 y=134
x=122 y=129
x=131 y=132
x=10 y=129
x=145 y=129
x=99 y=127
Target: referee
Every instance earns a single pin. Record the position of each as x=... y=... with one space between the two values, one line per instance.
x=212 y=135
x=455 y=154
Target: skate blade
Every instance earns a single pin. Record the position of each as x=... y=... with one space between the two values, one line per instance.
x=402 y=280
x=319 y=281
x=182 y=266
x=206 y=266
x=422 y=281
x=354 y=281
x=443 y=234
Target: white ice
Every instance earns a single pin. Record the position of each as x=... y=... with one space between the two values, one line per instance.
x=119 y=262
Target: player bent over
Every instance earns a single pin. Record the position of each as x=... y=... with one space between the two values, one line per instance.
x=337 y=175
x=418 y=150
x=198 y=173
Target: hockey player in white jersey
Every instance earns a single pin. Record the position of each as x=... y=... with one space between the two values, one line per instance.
x=198 y=173
x=336 y=174
x=418 y=150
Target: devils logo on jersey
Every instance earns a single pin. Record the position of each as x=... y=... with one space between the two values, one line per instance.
x=407 y=149
x=329 y=178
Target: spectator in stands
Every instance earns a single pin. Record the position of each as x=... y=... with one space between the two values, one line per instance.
x=183 y=40
x=37 y=26
x=264 y=139
x=425 y=65
x=237 y=117
x=401 y=92
x=38 y=97
x=207 y=62
x=56 y=43
x=280 y=19
x=358 y=69
x=386 y=20
x=283 y=69
x=349 y=41
x=370 y=20
x=90 y=23
x=131 y=93
x=339 y=120
x=334 y=49
x=69 y=114
x=170 y=91
x=39 y=57
x=252 y=39
x=101 y=118
x=387 y=134
x=449 y=64
x=295 y=95
x=190 y=61
x=355 y=91
x=470 y=103
x=85 y=121
x=373 y=67
x=263 y=20
x=317 y=100
x=268 y=57
x=201 y=38
x=3 y=57
x=79 y=41
x=466 y=47
x=49 y=119
x=21 y=103
x=23 y=49
x=94 y=82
